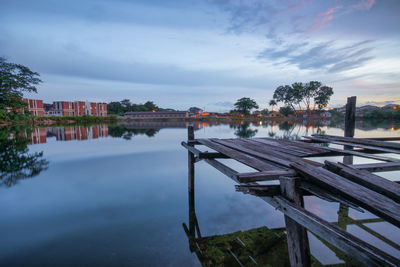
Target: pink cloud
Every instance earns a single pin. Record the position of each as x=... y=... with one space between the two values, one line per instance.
x=322 y=18
x=364 y=4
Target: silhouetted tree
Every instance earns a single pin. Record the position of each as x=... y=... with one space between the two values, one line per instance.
x=244 y=105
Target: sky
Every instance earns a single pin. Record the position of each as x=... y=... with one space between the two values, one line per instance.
x=204 y=53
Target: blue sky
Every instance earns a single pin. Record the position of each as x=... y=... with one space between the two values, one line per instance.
x=204 y=53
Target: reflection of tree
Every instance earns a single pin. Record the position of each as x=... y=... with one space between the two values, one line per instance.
x=15 y=161
x=127 y=134
x=244 y=131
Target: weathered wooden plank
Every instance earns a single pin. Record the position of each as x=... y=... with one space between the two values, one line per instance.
x=367 y=198
x=350 y=144
x=367 y=179
x=359 y=154
x=378 y=167
x=223 y=168
x=241 y=157
x=264 y=175
x=393 y=138
x=297 y=239
x=362 y=141
x=277 y=147
x=269 y=155
x=346 y=242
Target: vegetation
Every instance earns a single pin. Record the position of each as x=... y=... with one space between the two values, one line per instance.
x=383 y=114
x=244 y=105
x=119 y=108
x=15 y=79
x=77 y=119
x=15 y=161
x=306 y=96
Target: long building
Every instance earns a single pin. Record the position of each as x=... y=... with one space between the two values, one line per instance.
x=78 y=108
x=157 y=114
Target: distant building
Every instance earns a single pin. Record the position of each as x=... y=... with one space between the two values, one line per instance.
x=157 y=114
x=77 y=108
x=35 y=106
x=195 y=112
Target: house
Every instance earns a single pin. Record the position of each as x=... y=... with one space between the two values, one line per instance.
x=195 y=112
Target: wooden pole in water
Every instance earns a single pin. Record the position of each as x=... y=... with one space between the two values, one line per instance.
x=297 y=239
x=191 y=161
x=349 y=129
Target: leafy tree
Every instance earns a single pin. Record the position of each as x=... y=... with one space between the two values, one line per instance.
x=15 y=79
x=150 y=105
x=244 y=105
x=312 y=94
x=244 y=130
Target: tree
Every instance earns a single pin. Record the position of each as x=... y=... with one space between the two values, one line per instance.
x=265 y=111
x=244 y=105
x=312 y=94
x=15 y=79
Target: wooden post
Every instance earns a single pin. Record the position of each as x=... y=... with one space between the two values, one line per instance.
x=297 y=239
x=349 y=128
x=191 y=161
x=350 y=117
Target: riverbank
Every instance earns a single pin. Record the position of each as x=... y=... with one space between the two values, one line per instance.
x=61 y=120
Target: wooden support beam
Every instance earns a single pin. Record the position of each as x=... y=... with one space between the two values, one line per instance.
x=322 y=138
x=349 y=244
x=367 y=198
x=264 y=175
x=201 y=154
x=224 y=169
x=297 y=239
x=378 y=167
x=366 y=179
x=358 y=154
x=361 y=141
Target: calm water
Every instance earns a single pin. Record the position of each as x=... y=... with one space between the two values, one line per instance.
x=118 y=196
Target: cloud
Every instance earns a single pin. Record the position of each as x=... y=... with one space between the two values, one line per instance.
x=364 y=4
x=322 y=18
x=321 y=56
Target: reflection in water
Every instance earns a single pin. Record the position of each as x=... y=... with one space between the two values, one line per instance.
x=15 y=161
x=260 y=246
x=128 y=133
x=244 y=131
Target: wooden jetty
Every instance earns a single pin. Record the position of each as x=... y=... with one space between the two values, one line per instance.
x=291 y=163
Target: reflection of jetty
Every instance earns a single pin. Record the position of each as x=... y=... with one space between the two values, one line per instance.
x=350 y=185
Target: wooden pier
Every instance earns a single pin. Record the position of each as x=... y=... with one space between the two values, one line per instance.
x=291 y=163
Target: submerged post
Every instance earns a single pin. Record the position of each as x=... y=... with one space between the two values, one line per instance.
x=297 y=239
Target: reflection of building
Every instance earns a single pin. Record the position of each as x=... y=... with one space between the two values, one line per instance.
x=158 y=114
x=79 y=132
x=38 y=136
x=35 y=106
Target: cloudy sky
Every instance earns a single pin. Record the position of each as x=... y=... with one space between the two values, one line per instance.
x=204 y=53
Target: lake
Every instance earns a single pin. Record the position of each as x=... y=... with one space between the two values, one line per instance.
x=117 y=195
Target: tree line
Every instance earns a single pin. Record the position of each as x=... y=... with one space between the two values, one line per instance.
x=298 y=96
x=120 y=107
